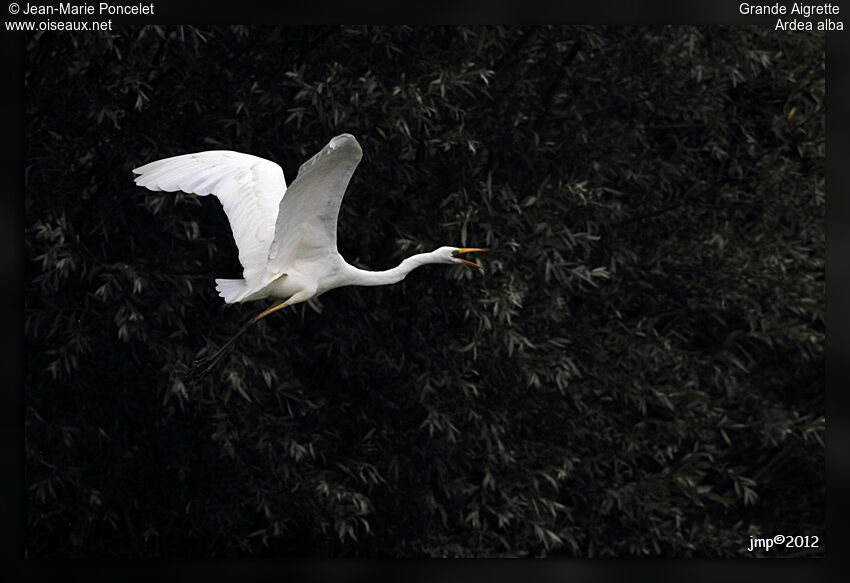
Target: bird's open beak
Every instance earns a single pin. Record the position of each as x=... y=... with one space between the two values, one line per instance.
x=468 y=250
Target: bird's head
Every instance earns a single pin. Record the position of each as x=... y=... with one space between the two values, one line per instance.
x=450 y=255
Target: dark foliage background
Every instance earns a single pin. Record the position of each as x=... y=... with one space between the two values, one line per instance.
x=638 y=372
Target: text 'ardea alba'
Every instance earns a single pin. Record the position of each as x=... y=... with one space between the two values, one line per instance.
x=286 y=237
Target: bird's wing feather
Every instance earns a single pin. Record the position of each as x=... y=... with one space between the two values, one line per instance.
x=250 y=190
x=306 y=221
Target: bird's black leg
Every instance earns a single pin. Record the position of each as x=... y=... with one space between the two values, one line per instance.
x=201 y=368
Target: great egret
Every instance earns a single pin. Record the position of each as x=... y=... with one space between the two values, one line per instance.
x=286 y=237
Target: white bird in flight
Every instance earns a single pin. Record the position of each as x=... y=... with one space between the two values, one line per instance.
x=286 y=236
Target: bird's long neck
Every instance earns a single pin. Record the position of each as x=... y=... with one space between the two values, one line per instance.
x=394 y=275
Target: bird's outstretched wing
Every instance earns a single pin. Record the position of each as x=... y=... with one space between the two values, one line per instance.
x=306 y=221
x=250 y=190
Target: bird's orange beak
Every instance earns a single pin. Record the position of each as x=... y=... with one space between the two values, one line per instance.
x=469 y=250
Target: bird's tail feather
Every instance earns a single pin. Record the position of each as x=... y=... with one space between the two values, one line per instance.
x=230 y=289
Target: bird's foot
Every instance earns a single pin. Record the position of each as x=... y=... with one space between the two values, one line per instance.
x=200 y=370
x=202 y=367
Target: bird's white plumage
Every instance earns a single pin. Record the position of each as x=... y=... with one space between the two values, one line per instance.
x=286 y=237
x=306 y=221
x=250 y=190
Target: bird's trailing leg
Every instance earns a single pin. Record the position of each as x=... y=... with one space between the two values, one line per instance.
x=265 y=313
x=201 y=368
